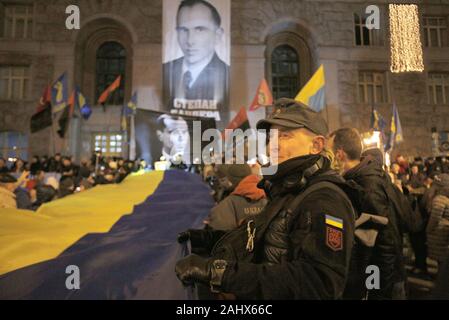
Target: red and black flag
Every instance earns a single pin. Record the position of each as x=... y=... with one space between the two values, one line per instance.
x=112 y=87
x=45 y=100
x=64 y=121
x=43 y=117
x=263 y=96
x=240 y=121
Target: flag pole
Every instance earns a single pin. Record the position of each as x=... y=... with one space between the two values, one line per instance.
x=68 y=136
x=52 y=135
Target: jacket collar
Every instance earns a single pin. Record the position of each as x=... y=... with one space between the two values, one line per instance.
x=292 y=175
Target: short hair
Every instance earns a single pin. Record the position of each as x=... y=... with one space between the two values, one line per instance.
x=161 y=124
x=191 y=3
x=374 y=153
x=348 y=139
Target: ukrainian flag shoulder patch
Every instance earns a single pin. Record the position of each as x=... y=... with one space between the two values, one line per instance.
x=334 y=221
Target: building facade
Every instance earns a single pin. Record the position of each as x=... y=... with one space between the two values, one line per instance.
x=284 y=41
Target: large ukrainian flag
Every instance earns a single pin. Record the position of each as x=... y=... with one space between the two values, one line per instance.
x=122 y=237
x=313 y=93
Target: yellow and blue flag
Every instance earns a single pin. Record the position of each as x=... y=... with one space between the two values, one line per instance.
x=378 y=122
x=396 y=136
x=122 y=237
x=313 y=93
x=59 y=94
x=82 y=105
x=334 y=221
x=131 y=107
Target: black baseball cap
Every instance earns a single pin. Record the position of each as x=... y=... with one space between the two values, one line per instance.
x=294 y=115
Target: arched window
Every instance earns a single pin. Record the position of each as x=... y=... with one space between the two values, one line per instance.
x=285 y=78
x=110 y=63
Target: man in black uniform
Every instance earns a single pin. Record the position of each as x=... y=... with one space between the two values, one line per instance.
x=346 y=145
x=304 y=250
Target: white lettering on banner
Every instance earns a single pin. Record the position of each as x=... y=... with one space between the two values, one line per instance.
x=197 y=113
x=199 y=104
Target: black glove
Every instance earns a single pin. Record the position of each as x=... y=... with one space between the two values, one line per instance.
x=202 y=241
x=193 y=269
x=184 y=236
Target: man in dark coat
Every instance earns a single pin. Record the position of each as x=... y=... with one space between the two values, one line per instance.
x=244 y=202
x=305 y=250
x=346 y=145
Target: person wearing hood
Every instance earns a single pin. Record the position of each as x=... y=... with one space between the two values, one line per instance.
x=244 y=202
x=301 y=243
x=228 y=177
x=44 y=194
x=346 y=145
x=66 y=186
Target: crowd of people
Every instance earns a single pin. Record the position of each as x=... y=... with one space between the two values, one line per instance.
x=28 y=185
x=425 y=183
x=309 y=230
x=298 y=239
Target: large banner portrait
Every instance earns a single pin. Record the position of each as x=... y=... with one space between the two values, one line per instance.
x=166 y=135
x=196 y=58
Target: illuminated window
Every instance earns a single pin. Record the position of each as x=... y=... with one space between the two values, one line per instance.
x=17 y=22
x=438 y=88
x=111 y=62
x=435 y=31
x=284 y=72
x=363 y=35
x=110 y=144
x=14 y=82
x=372 y=87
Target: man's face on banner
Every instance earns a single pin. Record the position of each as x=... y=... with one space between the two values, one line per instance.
x=175 y=137
x=198 y=33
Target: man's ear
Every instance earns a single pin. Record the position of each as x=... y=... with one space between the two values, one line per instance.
x=219 y=34
x=341 y=155
x=318 y=143
x=159 y=135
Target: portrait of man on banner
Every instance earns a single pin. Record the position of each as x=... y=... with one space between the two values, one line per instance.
x=167 y=135
x=173 y=132
x=196 y=58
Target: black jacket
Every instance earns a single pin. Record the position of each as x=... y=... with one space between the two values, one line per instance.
x=387 y=252
x=304 y=258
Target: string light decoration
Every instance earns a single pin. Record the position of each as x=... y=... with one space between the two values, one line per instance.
x=405 y=39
